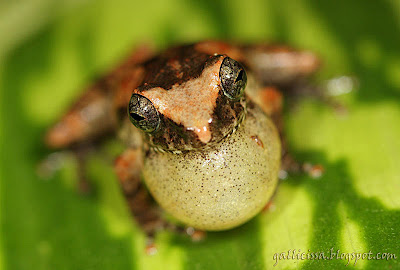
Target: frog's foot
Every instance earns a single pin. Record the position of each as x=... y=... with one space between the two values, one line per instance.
x=51 y=164
x=325 y=92
x=150 y=218
x=269 y=207
x=195 y=235
x=313 y=170
x=145 y=212
x=57 y=160
x=290 y=165
x=339 y=86
x=151 y=248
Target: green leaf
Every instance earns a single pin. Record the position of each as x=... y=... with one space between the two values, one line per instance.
x=353 y=207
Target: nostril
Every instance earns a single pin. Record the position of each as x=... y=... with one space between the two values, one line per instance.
x=137 y=117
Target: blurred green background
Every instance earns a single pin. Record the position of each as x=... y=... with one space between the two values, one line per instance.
x=50 y=49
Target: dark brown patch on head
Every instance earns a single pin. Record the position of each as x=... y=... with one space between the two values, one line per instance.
x=175 y=66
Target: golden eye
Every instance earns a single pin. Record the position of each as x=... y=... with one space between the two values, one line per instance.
x=143 y=114
x=233 y=78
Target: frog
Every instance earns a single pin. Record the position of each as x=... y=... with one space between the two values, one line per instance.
x=202 y=128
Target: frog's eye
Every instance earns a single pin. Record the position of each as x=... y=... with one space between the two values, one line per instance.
x=143 y=114
x=233 y=78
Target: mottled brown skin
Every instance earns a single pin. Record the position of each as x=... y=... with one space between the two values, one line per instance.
x=102 y=108
x=175 y=68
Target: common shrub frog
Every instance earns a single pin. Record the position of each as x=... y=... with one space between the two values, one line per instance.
x=202 y=128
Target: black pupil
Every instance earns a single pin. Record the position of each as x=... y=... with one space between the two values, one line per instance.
x=137 y=117
x=239 y=76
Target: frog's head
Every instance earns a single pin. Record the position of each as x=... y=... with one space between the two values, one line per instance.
x=189 y=99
